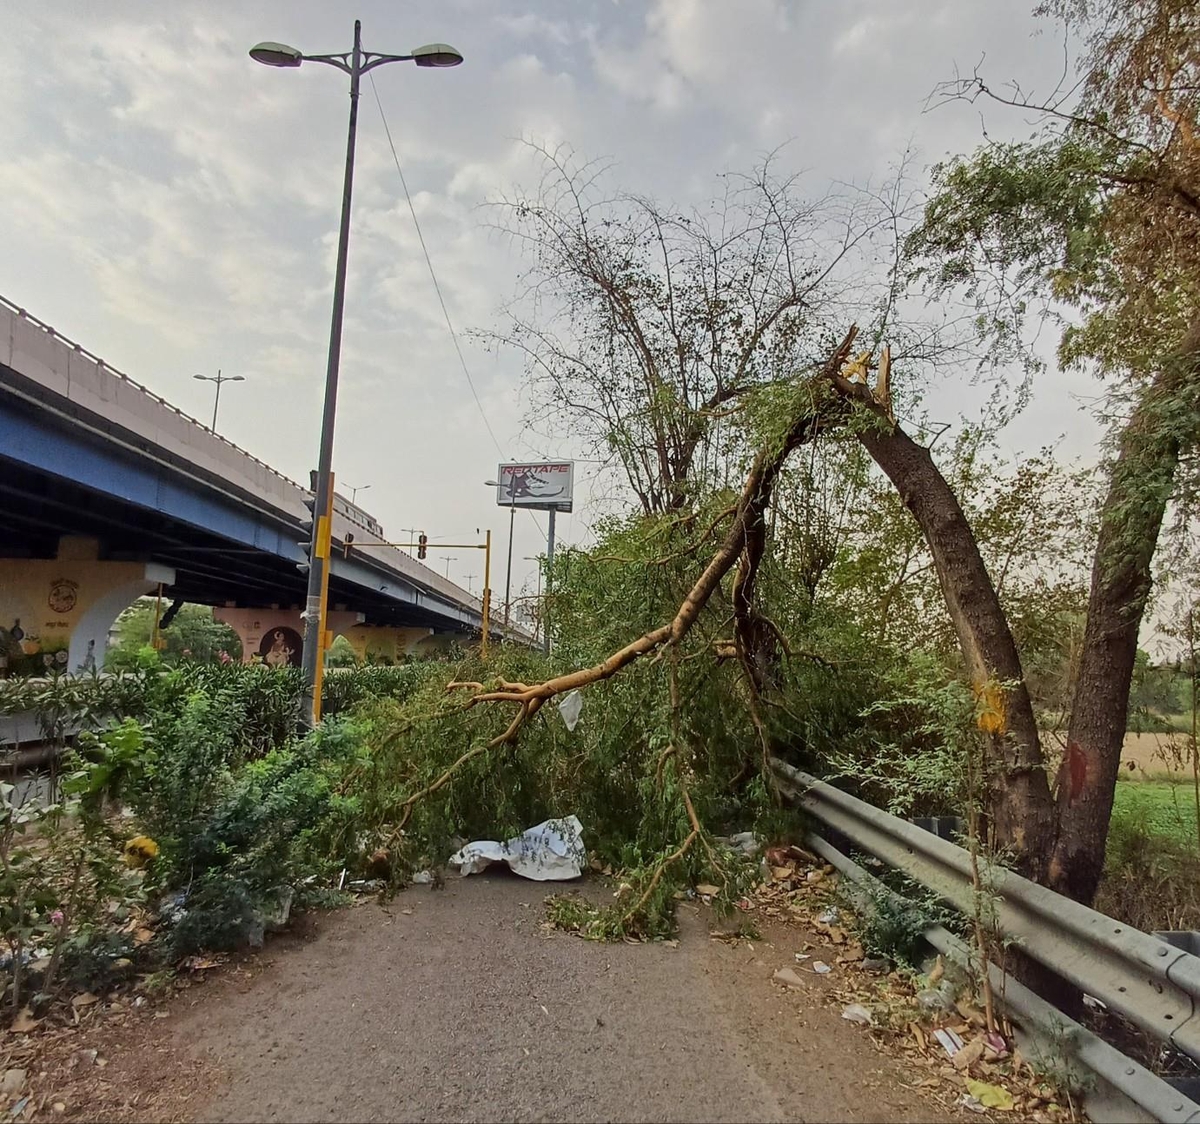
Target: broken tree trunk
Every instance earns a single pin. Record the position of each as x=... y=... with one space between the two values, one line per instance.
x=1019 y=801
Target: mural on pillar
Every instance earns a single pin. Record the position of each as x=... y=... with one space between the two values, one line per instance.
x=281 y=647
x=36 y=618
x=55 y=614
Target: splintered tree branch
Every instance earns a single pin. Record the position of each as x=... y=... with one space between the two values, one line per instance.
x=747 y=526
x=748 y=522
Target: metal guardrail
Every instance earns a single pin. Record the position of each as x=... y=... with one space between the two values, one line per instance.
x=1149 y=982
x=1120 y=1089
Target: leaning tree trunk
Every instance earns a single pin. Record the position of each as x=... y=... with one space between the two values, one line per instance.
x=1019 y=799
x=1140 y=485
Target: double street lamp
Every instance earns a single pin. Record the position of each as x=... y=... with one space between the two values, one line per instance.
x=218 y=378
x=355 y=62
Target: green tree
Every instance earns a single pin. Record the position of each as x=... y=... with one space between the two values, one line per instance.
x=1095 y=218
x=191 y=634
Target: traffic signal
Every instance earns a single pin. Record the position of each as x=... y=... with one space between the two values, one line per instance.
x=306 y=525
x=422 y=540
x=347 y=543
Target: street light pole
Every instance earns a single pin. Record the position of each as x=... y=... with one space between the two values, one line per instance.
x=549 y=584
x=356 y=63
x=512 y=511
x=218 y=378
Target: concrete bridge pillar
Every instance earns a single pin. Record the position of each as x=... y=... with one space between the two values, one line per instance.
x=384 y=642
x=276 y=636
x=56 y=615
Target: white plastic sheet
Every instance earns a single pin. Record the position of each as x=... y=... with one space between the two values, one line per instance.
x=551 y=852
x=570 y=706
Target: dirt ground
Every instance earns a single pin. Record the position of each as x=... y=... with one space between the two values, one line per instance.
x=460 y=1005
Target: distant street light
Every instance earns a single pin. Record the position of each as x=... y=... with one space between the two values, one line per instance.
x=512 y=510
x=355 y=62
x=354 y=491
x=448 y=558
x=218 y=378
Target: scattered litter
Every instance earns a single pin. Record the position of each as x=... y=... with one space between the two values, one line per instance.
x=803 y=956
x=857 y=1013
x=550 y=852
x=972 y=1103
x=569 y=707
x=995 y=1045
x=707 y=889
x=364 y=885
x=968 y=1055
x=18 y=1108
x=830 y=916
x=1094 y=1003
x=950 y=1040
x=173 y=907
x=787 y=977
x=821 y=968
x=991 y=1096
x=13 y=1081
x=744 y=841
x=931 y=999
x=199 y=963
x=278 y=909
x=423 y=878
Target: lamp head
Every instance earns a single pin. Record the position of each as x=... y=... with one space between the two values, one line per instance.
x=276 y=54
x=435 y=54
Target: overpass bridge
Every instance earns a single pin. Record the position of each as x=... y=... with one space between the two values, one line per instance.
x=108 y=492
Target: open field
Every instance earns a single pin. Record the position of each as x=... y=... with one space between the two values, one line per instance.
x=1153 y=754
x=1163 y=807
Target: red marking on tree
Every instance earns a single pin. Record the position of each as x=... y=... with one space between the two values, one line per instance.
x=1077 y=768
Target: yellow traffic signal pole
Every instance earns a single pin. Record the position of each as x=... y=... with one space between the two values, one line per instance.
x=324 y=544
x=485 y=546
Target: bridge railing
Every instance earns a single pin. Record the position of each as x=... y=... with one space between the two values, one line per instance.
x=79 y=349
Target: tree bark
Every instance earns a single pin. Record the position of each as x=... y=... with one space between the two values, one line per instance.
x=1140 y=486
x=1019 y=801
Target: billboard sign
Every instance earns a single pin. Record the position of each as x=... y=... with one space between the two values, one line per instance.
x=543 y=486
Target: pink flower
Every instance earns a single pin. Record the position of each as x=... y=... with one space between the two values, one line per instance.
x=56 y=918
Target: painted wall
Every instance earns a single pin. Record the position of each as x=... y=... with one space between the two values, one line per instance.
x=55 y=616
x=378 y=643
x=276 y=636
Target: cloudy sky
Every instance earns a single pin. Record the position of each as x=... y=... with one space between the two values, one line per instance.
x=173 y=206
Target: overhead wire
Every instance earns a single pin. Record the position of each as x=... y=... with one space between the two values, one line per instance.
x=437 y=286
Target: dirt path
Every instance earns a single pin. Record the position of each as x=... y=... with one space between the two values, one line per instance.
x=458 y=1005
